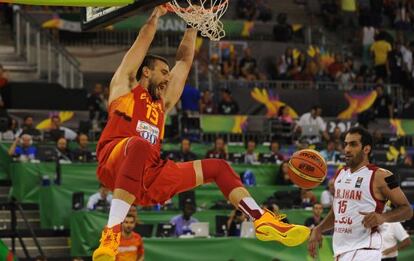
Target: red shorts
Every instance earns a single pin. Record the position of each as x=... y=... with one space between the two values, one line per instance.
x=160 y=180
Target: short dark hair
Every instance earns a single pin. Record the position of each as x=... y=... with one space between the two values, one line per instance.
x=185 y=138
x=26 y=117
x=366 y=137
x=131 y=216
x=315 y=107
x=149 y=61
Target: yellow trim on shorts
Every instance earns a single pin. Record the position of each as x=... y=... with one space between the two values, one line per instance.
x=198 y=172
x=117 y=149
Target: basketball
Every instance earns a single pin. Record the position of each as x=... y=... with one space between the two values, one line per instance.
x=307 y=168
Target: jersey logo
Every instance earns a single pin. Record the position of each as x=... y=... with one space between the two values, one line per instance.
x=359 y=182
x=148 y=131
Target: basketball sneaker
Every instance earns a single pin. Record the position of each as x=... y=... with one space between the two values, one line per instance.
x=270 y=227
x=108 y=248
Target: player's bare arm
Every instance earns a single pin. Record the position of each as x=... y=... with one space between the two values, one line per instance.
x=179 y=73
x=124 y=76
x=315 y=239
x=386 y=188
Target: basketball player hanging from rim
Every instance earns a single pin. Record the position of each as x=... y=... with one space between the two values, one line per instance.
x=142 y=91
x=361 y=190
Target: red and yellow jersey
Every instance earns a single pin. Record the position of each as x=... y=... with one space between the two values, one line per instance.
x=130 y=248
x=134 y=114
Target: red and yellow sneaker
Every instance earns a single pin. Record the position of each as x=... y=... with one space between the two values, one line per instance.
x=108 y=249
x=269 y=227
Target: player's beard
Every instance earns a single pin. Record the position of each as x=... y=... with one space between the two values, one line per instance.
x=153 y=91
x=355 y=160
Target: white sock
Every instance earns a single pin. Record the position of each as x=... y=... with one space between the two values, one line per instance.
x=118 y=212
x=250 y=208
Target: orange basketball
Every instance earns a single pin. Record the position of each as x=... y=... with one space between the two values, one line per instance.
x=307 y=168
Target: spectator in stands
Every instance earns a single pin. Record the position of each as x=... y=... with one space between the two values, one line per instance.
x=207 y=105
x=219 y=151
x=312 y=125
x=383 y=105
x=4 y=77
x=227 y=105
x=13 y=131
x=330 y=154
x=316 y=219
x=403 y=14
x=395 y=64
x=380 y=49
x=185 y=154
x=349 y=18
x=96 y=106
x=330 y=15
x=283 y=177
x=131 y=246
x=250 y=156
x=346 y=78
x=284 y=115
x=101 y=200
x=57 y=131
x=394 y=239
x=335 y=68
x=64 y=153
x=282 y=31
x=263 y=10
x=215 y=68
x=368 y=38
x=378 y=139
x=246 y=9
x=336 y=136
x=23 y=149
x=182 y=222
x=234 y=223
x=327 y=195
x=28 y=128
x=275 y=151
x=190 y=99
x=230 y=66
x=82 y=153
x=284 y=62
x=248 y=66
x=308 y=198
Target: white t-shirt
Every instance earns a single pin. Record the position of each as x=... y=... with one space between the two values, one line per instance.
x=307 y=119
x=94 y=199
x=407 y=58
x=392 y=233
x=326 y=199
x=368 y=35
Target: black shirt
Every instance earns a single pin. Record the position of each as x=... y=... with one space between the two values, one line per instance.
x=228 y=108
x=82 y=155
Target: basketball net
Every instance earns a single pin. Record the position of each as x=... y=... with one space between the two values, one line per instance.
x=204 y=16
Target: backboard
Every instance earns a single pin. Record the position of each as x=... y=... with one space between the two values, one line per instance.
x=94 y=18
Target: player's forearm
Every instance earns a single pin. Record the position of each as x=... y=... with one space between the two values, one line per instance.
x=398 y=214
x=327 y=223
x=186 y=49
x=136 y=53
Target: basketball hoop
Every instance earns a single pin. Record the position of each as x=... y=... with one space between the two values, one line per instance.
x=203 y=15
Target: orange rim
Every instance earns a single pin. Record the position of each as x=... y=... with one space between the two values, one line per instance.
x=169 y=7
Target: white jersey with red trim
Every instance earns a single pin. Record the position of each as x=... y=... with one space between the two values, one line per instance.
x=354 y=194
